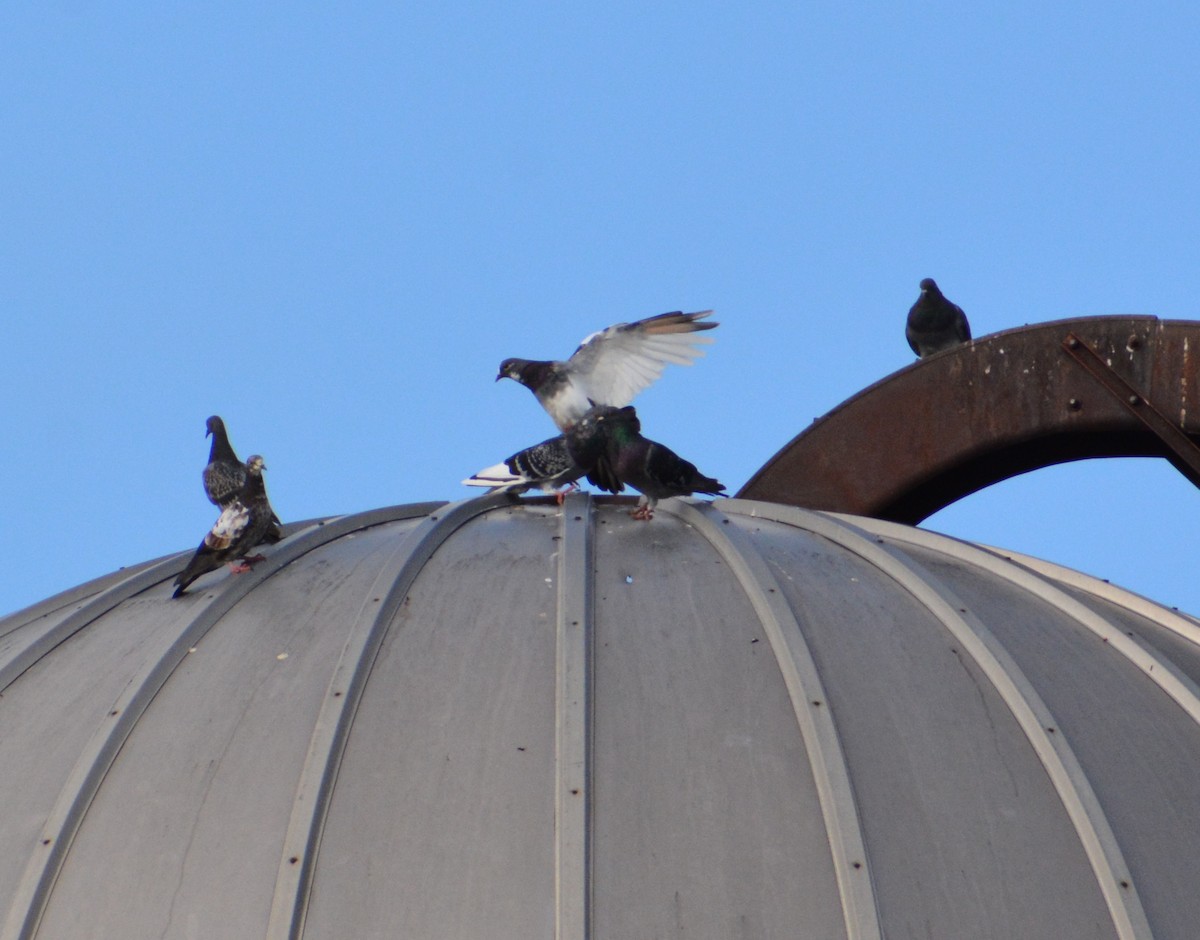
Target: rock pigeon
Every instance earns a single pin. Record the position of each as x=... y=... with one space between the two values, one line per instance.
x=245 y=521
x=612 y=366
x=225 y=475
x=547 y=465
x=934 y=323
x=608 y=444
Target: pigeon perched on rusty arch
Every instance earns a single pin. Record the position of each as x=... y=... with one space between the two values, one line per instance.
x=612 y=366
x=607 y=443
x=547 y=465
x=934 y=323
x=246 y=521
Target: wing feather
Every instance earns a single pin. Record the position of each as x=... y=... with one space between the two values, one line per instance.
x=612 y=366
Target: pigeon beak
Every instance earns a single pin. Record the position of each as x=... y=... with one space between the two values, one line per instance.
x=500 y=376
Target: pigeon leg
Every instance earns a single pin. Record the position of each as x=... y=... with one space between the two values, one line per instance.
x=645 y=508
x=562 y=494
x=246 y=564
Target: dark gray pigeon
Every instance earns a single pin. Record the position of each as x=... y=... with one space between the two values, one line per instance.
x=608 y=444
x=934 y=323
x=225 y=475
x=612 y=366
x=245 y=522
x=547 y=465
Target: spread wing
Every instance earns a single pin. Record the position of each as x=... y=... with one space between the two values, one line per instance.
x=611 y=367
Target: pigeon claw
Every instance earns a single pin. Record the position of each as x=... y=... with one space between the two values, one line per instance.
x=562 y=494
x=643 y=513
x=246 y=564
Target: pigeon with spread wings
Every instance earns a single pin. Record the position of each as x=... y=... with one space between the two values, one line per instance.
x=612 y=366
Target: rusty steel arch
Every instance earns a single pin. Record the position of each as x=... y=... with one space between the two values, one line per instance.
x=985 y=411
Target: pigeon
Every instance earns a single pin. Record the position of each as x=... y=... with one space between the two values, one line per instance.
x=610 y=367
x=245 y=521
x=225 y=475
x=547 y=465
x=934 y=323
x=608 y=444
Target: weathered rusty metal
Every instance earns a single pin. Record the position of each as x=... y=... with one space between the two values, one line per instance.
x=1184 y=453
x=966 y=418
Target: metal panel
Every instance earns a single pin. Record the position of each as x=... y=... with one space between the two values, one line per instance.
x=293 y=881
x=20 y=649
x=947 y=751
x=441 y=820
x=514 y=720
x=813 y=714
x=1107 y=694
x=1147 y=610
x=60 y=604
x=708 y=822
x=1159 y=670
x=48 y=714
x=93 y=763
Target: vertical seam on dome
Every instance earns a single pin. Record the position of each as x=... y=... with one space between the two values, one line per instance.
x=1171 y=620
x=1146 y=659
x=73 y=598
x=29 y=901
x=818 y=730
x=15 y=662
x=573 y=724
x=1031 y=713
x=331 y=731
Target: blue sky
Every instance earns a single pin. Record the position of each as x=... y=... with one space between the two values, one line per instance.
x=329 y=223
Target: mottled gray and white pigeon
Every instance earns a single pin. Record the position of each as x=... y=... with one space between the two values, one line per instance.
x=245 y=522
x=610 y=367
x=225 y=475
x=934 y=323
x=607 y=443
x=547 y=465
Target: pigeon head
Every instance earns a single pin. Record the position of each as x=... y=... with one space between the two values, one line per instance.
x=928 y=284
x=537 y=375
x=255 y=465
x=512 y=369
x=214 y=425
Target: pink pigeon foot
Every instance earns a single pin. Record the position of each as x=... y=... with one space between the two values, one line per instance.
x=246 y=564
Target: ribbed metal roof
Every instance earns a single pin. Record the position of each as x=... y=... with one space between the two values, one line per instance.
x=515 y=721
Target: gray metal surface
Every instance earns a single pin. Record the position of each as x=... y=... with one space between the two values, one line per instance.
x=502 y=720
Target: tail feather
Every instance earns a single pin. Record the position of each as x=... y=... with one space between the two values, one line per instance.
x=498 y=475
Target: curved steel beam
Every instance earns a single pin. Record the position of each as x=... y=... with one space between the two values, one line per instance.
x=980 y=413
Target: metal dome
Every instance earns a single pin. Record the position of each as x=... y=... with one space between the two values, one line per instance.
x=495 y=720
